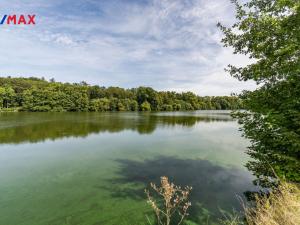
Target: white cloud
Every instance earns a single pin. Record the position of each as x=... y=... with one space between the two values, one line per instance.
x=167 y=44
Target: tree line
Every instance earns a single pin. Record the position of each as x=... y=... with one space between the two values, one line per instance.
x=39 y=95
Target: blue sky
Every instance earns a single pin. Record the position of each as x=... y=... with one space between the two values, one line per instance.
x=165 y=44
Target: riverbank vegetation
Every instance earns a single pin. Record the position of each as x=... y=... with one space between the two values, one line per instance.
x=280 y=206
x=268 y=31
x=34 y=94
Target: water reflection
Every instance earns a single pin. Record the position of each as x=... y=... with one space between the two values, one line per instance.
x=215 y=188
x=100 y=179
x=36 y=127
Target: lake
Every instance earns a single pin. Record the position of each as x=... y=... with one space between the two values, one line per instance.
x=92 y=168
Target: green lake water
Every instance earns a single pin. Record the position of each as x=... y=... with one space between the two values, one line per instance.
x=92 y=168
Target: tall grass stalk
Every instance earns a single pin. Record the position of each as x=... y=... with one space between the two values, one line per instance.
x=174 y=202
x=280 y=207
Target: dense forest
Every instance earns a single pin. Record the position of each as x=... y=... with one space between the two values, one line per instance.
x=38 y=95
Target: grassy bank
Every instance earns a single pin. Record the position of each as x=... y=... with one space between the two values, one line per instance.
x=281 y=206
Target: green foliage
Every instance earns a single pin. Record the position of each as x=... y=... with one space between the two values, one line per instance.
x=34 y=94
x=269 y=32
x=7 y=97
x=145 y=106
x=166 y=107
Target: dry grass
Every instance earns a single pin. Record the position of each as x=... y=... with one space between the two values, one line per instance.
x=174 y=202
x=280 y=207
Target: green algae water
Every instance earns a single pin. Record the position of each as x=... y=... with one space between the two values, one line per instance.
x=92 y=168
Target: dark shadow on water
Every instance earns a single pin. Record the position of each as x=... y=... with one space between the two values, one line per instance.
x=215 y=188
